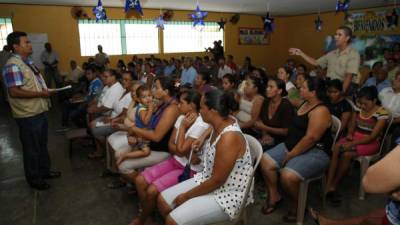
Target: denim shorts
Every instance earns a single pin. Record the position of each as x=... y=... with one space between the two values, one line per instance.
x=311 y=163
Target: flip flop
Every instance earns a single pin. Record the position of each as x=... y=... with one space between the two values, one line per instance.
x=270 y=208
x=314 y=215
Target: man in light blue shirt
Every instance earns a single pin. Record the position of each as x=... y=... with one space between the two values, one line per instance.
x=379 y=80
x=170 y=67
x=188 y=73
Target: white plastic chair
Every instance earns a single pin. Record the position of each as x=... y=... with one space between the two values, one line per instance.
x=303 y=190
x=256 y=153
x=365 y=161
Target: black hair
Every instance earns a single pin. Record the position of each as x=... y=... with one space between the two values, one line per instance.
x=140 y=90
x=231 y=78
x=192 y=96
x=336 y=84
x=131 y=74
x=287 y=70
x=167 y=83
x=369 y=93
x=14 y=38
x=259 y=84
x=281 y=85
x=348 y=32
x=378 y=63
x=223 y=102
x=205 y=75
x=304 y=67
x=114 y=73
x=91 y=68
x=319 y=86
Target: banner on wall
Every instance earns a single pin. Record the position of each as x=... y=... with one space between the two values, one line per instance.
x=377 y=21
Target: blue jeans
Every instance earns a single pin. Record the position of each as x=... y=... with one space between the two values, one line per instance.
x=33 y=136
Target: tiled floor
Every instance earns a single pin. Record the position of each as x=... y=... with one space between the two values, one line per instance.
x=81 y=196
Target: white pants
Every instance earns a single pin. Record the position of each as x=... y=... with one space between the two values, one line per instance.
x=196 y=211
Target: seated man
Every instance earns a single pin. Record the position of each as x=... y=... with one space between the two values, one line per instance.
x=75 y=107
x=390 y=99
x=379 y=80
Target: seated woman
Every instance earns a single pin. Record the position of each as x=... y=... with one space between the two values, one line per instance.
x=367 y=124
x=276 y=114
x=159 y=132
x=284 y=74
x=337 y=103
x=153 y=180
x=250 y=104
x=216 y=193
x=229 y=82
x=202 y=82
x=304 y=154
x=119 y=139
x=109 y=106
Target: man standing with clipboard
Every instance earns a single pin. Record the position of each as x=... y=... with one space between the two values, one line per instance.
x=29 y=101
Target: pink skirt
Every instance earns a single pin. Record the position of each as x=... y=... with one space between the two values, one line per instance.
x=165 y=174
x=363 y=149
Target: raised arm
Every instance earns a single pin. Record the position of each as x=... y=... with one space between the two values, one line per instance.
x=309 y=59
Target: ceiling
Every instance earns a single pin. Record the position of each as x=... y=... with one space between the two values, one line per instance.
x=277 y=7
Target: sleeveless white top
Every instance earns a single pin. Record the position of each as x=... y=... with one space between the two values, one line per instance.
x=230 y=195
x=244 y=114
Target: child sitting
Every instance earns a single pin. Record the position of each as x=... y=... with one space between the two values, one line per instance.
x=143 y=116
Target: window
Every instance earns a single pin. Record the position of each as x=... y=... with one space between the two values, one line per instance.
x=183 y=37
x=92 y=34
x=118 y=37
x=5 y=29
x=141 y=38
x=121 y=37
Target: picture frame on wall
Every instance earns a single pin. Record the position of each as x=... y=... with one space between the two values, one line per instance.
x=253 y=36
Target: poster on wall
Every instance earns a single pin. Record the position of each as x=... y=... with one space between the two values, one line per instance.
x=374 y=21
x=253 y=36
x=375 y=48
x=38 y=40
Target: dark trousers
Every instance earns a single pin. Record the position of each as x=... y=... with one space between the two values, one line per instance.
x=52 y=74
x=33 y=136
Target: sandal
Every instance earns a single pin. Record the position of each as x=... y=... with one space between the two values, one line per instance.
x=290 y=217
x=270 y=208
x=314 y=215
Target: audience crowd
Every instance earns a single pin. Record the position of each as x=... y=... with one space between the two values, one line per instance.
x=173 y=128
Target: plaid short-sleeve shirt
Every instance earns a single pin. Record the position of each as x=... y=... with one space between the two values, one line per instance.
x=12 y=76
